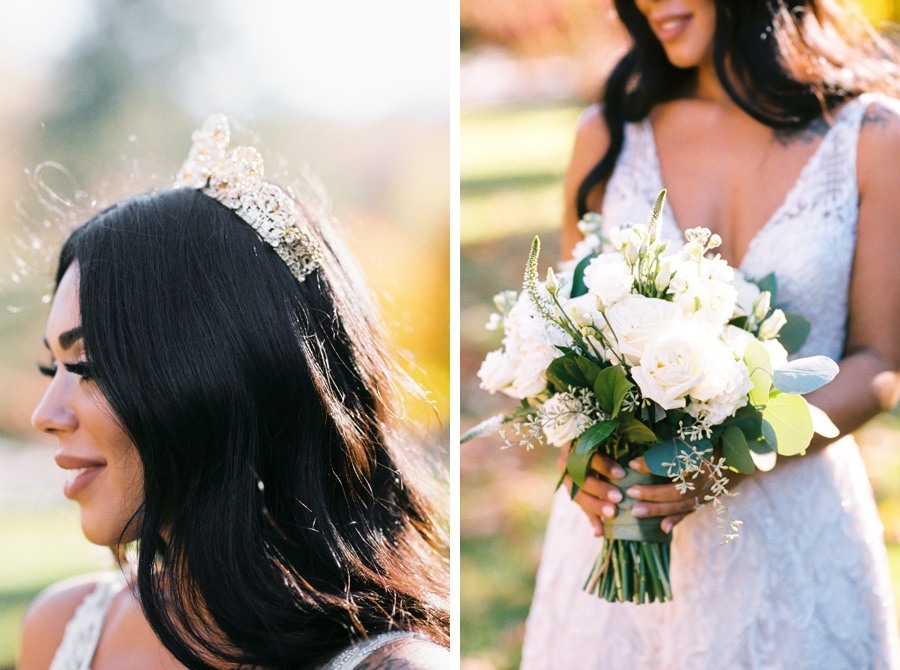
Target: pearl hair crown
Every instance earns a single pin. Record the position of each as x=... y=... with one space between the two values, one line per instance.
x=235 y=178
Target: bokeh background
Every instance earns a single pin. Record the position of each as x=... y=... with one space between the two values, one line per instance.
x=356 y=93
x=528 y=69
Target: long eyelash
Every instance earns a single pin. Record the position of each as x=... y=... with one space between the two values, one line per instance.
x=46 y=370
x=83 y=370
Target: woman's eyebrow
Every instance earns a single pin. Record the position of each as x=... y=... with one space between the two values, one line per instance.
x=68 y=338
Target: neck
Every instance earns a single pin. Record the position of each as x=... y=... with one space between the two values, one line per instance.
x=708 y=85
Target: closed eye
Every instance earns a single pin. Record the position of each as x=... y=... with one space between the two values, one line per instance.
x=82 y=369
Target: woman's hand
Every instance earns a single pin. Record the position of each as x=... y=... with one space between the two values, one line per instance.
x=596 y=498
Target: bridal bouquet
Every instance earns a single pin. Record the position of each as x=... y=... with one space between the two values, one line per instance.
x=639 y=348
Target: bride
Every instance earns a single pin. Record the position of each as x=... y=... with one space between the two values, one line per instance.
x=223 y=403
x=774 y=124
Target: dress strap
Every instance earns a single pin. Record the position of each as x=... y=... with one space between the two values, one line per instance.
x=83 y=630
x=352 y=656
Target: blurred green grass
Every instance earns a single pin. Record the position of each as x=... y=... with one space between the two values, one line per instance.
x=26 y=565
x=513 y=160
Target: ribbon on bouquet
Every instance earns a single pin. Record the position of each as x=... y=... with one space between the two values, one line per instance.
x=626 y=527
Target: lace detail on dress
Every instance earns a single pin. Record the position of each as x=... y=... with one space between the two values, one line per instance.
x=352 y=656
x=807 y=583
x=76 y=651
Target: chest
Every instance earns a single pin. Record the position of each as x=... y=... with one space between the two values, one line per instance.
x=733 y=176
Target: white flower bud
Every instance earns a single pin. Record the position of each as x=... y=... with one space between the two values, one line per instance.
x=552 y=282
x=714 y=241
x=761 y=306
x=601 y=303
x=771 y=326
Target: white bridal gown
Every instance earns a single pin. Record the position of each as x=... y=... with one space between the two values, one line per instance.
x=806 y=586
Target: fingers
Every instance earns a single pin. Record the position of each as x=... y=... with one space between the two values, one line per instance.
x=603 y=465
x=656 y=492
x=670 y=522
x=589 y=498
x=646 y=509
x=640 y=465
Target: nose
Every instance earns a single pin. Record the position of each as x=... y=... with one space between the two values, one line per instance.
x=53 y=415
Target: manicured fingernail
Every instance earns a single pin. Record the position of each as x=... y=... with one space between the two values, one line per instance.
x=615 y=495
x=598 y=530
x=635 y=464
x=634 y=492
x=609 y=511
x=617 y=471
x=667 y=526
x=639 y=510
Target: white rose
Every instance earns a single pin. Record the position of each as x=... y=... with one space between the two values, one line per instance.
x=609 y=276
x=636 y=319
x=531 y=372
x=563 y=419
x=683 y=360
x=497 y=371
x=730 y=400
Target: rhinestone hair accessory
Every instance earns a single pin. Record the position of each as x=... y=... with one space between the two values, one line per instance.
x=235 y=178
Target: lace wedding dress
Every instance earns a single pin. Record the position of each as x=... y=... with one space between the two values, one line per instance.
x=76 y=652
x=807 y=583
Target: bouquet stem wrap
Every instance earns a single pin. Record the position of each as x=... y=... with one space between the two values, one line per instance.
x=633 y=565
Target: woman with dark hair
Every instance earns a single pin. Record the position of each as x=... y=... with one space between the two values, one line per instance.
x=774 y=124
x=224 y=403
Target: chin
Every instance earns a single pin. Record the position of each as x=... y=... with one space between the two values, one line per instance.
x=99 y=529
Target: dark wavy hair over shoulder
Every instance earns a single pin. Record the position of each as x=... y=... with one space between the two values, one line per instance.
x=281 y=520
x=784 y=62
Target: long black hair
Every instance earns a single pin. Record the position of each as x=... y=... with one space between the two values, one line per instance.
x=279 y=520
x=784 y=62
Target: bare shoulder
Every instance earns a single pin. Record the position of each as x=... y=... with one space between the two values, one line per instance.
x=592 y=135
x=47 y=616
x=879 y=142
x=407 y=654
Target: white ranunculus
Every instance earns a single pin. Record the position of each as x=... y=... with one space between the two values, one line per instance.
x=563 y=419
x=609 y=276
x=636 y=319
x=683 y=360
x=731 y=399
x=747 y=293
x=497 y=371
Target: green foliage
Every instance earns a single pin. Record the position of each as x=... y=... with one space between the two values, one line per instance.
x=610 y=388
x=805 y=375
x=663 y=453
x=736 y=450
x=787 y=424
x=585 y=447
x=794 y=332
x=572 y=370
x=760 y=366
x=579 y=288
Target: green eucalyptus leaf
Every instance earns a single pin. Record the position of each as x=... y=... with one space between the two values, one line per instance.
x=580 y=456
x=759 y=365
x=787 y=424
x=805 y=375
x=794 y=332
x=659 y=453
x=736 y=450
x=610 y=388
x=579 y=288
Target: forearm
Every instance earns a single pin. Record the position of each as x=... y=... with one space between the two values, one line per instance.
x=865 y=386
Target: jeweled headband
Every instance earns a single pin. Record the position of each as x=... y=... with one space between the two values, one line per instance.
x=235 y=178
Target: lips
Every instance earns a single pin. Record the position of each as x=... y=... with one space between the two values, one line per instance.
x=670 y=26
x=82 y=471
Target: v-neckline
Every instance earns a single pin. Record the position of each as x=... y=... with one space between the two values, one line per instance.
x=788 y=198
